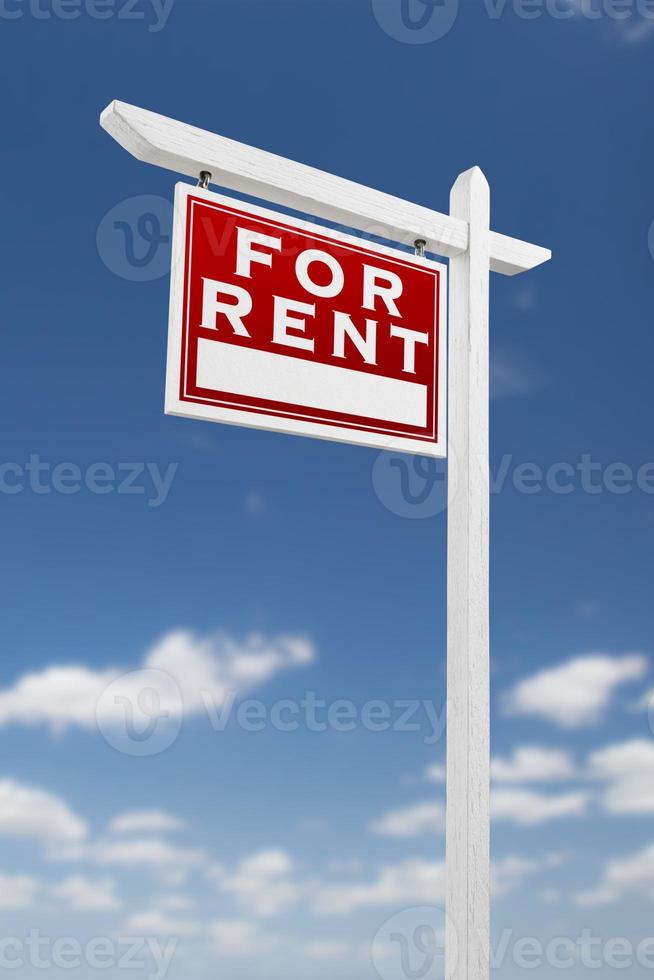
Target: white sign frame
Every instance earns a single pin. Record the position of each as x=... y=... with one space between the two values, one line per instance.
x=174 y=405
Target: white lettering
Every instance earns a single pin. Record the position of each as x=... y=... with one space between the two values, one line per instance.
x=367 y=346
x=246 y=255
x=233 y=311
x=306 y=259
x=410 y=339
x=282 y=323
x=372 y=288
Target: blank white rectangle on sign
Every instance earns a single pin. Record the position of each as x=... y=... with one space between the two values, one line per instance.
x=277 y=377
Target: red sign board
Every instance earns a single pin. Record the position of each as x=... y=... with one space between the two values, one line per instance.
x=278 y=323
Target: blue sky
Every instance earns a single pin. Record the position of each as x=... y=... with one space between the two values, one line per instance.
x=280 y=568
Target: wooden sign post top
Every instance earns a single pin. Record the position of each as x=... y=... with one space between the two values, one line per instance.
x=188 y=150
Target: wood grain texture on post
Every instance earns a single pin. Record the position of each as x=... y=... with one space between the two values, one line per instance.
x=468 y=719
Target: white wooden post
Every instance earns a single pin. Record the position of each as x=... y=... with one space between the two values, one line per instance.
x=468 y=719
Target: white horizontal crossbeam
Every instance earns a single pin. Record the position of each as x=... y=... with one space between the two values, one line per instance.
x=186 y=149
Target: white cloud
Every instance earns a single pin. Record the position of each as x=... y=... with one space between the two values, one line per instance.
x=204 y=670
x=82 y=894
x=327 y=949
x=622 y=876
x=509 y=873
x=628 y=768
x=58 y=696
x=435 y=773
x=18 y=892
x=312 y=825
x=241 y=937
x=150 y=852
x=75 y=894
x=412 y=882
x=527 y=808
x=345 y=866
x=622 y=759
x=261 y=884
x=422 y=818
x=524 y=297
x=509 y=376
x=550 y=896
x=631 y=26
x=533 y=764
x=595 y=897
x=172 y=902
x=157 y=922
x=576 y=692
x=516 y=805
x=633 y=33
x=154 y=854
x=245 y=939
x=145 y=821
x=254 y=503
x=36 y=814
x=267 y=864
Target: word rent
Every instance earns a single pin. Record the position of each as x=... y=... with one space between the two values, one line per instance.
x=288 y=322
x=294 y=327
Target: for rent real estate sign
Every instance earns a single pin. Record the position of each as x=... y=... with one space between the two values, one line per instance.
x=282 y=324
